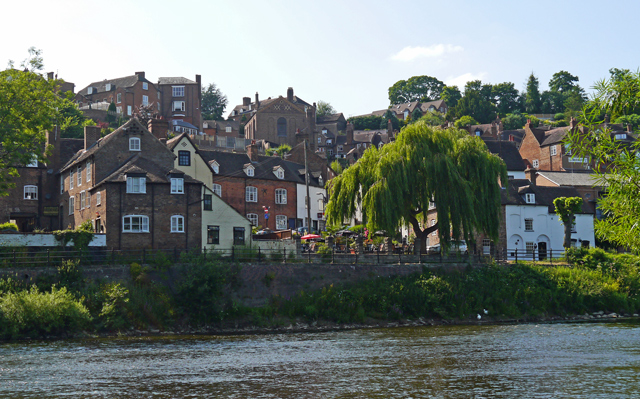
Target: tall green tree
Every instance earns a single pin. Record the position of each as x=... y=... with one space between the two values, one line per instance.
x=485 y=90
x=396 y=183
x=506 y=98
x=451 y=95
x=533 y=101
x=369 y=122
x=213 y=103
x=566 y=209
x=417 y=88
x=465 y=121
x=563 y=82
x=514 y=121
x=473 y=104
x=323 y=108
x=29 y=105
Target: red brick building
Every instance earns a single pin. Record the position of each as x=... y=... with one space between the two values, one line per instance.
x=180 y=100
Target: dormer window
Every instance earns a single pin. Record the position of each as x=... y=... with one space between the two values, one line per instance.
x=279 y=172
x=621 y=136
x=329 y=141
x=89 y=90
x=530 y=198
x=215 y=167
x=535 y=163
x=249 y=170
x=134 y=144
x=107 y=87
x=324 y=131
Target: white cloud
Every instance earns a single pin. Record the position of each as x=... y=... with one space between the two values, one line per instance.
x=462 y=80
x=410 y=53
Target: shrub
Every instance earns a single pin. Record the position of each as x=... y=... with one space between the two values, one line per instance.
x=8 y=227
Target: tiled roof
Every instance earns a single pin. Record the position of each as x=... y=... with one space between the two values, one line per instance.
x=555 y=136
x=509 y=153
x=175 y=81
x=139 y=164
x=221 y=125
x=514 y=193
x=571 y=178
x=329 y=118
x=127 y=81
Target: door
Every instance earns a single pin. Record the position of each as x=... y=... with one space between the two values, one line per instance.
x=542 y=250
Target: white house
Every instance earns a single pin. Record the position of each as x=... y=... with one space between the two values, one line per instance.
x=317 y=195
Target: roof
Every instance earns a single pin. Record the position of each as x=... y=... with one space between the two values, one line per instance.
x=437 y=104
x=508 y=152
x=69 y=147
x=176 y=81
x=100 y=86
x=544 y=196
x=177 y=122
x=251 y=108
x=235 y=125
x=571 y=178
x=555 y=136
x=139 y=164
x=329 y=118
x=368 y=136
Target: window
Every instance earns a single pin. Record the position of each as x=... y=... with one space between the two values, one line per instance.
x=486 y=246
x=145 y=100
x=228 y=129
x=177 y=224
x=71 y=179
x=528 y=225
x=61 y=183
x=83 y=200
x=231 y=142
x=279 y=173
x=177 y=185
x=177 y=91
x=530 y=246
x=281 y=196
x=184 y=158
x=72 y=204
x=136 y=185
x=208 y=202
x=319 y=140
x=31 y=192
x=621 y=136
x=33 y=163
x=217 y=189
x=281 y=222
x=282 y=127
x=99 y=198
x=238 y=236
x=145 y=86
x=251 y=194
x=340 y=148
x=134 y=144
x=136 y=224
x=119 y=100
x=253 y=218
x=535 y=163
x=329 y=142
x=358 y=146
x=433 y=223
x=178 y=105
x=89 y=90
x=118 y=110
x=329 y=152
x=79 y=175
x=530 y=198
x=129 y=110
x=87 y=171
x=554 y=150
x=213 y=234
x=249 y=170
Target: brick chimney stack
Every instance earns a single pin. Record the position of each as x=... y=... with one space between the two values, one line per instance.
x=290 y=94
x=159 y=128
x=494 y=130
x=252 y=151
x=246 y=101
x=257 y=100
x=140 y=75
x=573 y=123
x=530 y=174
x=349 y=133
x=91 y=135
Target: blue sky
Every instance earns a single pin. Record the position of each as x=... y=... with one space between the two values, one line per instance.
x=345 y=52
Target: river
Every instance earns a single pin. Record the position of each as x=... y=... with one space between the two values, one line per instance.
x=600 y=360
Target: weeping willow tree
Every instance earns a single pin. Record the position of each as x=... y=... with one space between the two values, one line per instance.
x=396 y=184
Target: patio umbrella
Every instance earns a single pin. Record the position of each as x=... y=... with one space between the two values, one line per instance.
x=310 y=237
x=346 y=233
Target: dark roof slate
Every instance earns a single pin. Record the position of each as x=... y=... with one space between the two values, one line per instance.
x=508 y=151
x=514 y=194
x=125 y=82
x=175 y=81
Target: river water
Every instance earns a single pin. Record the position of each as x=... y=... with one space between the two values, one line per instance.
x=506 y=361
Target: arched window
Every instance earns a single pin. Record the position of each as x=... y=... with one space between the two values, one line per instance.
x=177 y=224
x=281 y=196
x=282 y=127
x=251 y=194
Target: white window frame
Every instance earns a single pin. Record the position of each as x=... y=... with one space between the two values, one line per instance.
x=177 y=91
x=99 y=198
x=621 y=136
x=530 y=247
x=145 y=100
x=79 y=177
x=145 y=86
x=217 y=189
x=319 y=140
x=30 y=192
x=118 y=101
x=281 y=222
x=118 y=110
x=61 y=183
x=72 y=204
x=83 y=199
x=87 y=171
x=554 y=150
x=177 y=185
x=528 y=224
x=281 y=196
x=143 y=222
x=215 y=167
x=129 y=110
x=249 y=170
x=253 y=218
x=71 y=178
x=89 y=90
x=535 y=163
x=251 y=194
x=228 y=129
x=177 y=224
x=134 y=144
x=136 y=185
x=530 y=198
x=279 y=173
x=33 y=163
x=178 y=106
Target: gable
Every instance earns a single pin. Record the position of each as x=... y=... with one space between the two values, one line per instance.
x=282 y=106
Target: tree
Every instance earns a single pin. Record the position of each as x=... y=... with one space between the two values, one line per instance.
x=451 y=95
x=324 y=109
x=417 y=88
x=514 y=121
x=474 y=104
x=433 y=118
x=370 y=122
x=618 y=96
x=213 y=103
x=111 y=113
x=416 y=114
x=533 y=102
x=563 y=82
x=29 y=105
x=566 y=208
x=144 y=113
x=396 y=184
x=485 y=90
x=465 y=121
x=633 y=120
x=506 y=98
x=389 y=116
x=280 y=151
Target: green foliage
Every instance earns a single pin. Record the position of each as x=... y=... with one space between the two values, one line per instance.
x=465 y=121
x=506 y=98
x=70 y=274
x=213 y=103
x=81 y=236
x=280 y=151
x=451 y=95
x=476 y=105
x=433 y=118
x=389 y=116
x=566 y=208
x=533 y=101
x=370 y=122
x=337 y=167
x=633 y=120
x=8 y=226
x=113 y=313
x=417 y=88
x=514 y=121
x=324 y=108
x=619 y=95
x=36 y=314
x=396 y=183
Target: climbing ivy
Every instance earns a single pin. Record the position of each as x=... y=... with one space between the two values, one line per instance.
x=81 y=236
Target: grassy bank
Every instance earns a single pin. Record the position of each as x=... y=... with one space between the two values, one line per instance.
x=197 y=294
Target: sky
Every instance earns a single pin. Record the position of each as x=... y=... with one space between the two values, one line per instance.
x=347 y=53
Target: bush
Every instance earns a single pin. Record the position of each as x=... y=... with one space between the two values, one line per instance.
x=8 y=227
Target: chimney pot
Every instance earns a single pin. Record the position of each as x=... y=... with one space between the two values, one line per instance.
x=91 y=136
x=290 y=94
x=140 y=75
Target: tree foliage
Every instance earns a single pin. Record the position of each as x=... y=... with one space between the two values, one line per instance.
x=619 y=95
x=396 y=183
x=566 y=208
x=533 y=100
x=633 y=120
x=465 y=121
x=324 y=108
x=451 y=95
x=474 y=104
x=506 y=98
x=389 y=116
x=29 y=105
x=514 y=121
x=370 y=122
x=279 y=151
x=417 y=88
x=433 y=118
x=213 y=103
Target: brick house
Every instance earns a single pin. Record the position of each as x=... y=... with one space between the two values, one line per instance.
x=127 y=93
x=126 y=185
x=180 y=101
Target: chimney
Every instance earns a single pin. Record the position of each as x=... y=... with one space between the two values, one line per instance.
x=257 y=101
x=199 y=80
x=50 y=75
x=246 y=101
x=494 y=130
x=91 y=135
x=389 y=129
x=140 y=75
x=349 y=133
x=629 y=130
x=158 y=127
x=252 y=151
x=530 y=174
x=290 y=94
x=573 y=123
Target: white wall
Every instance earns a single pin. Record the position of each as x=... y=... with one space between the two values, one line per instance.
x=225 y=217
x=315 y=202
x=546 y=227
x=517 y=174
x=43 y=240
